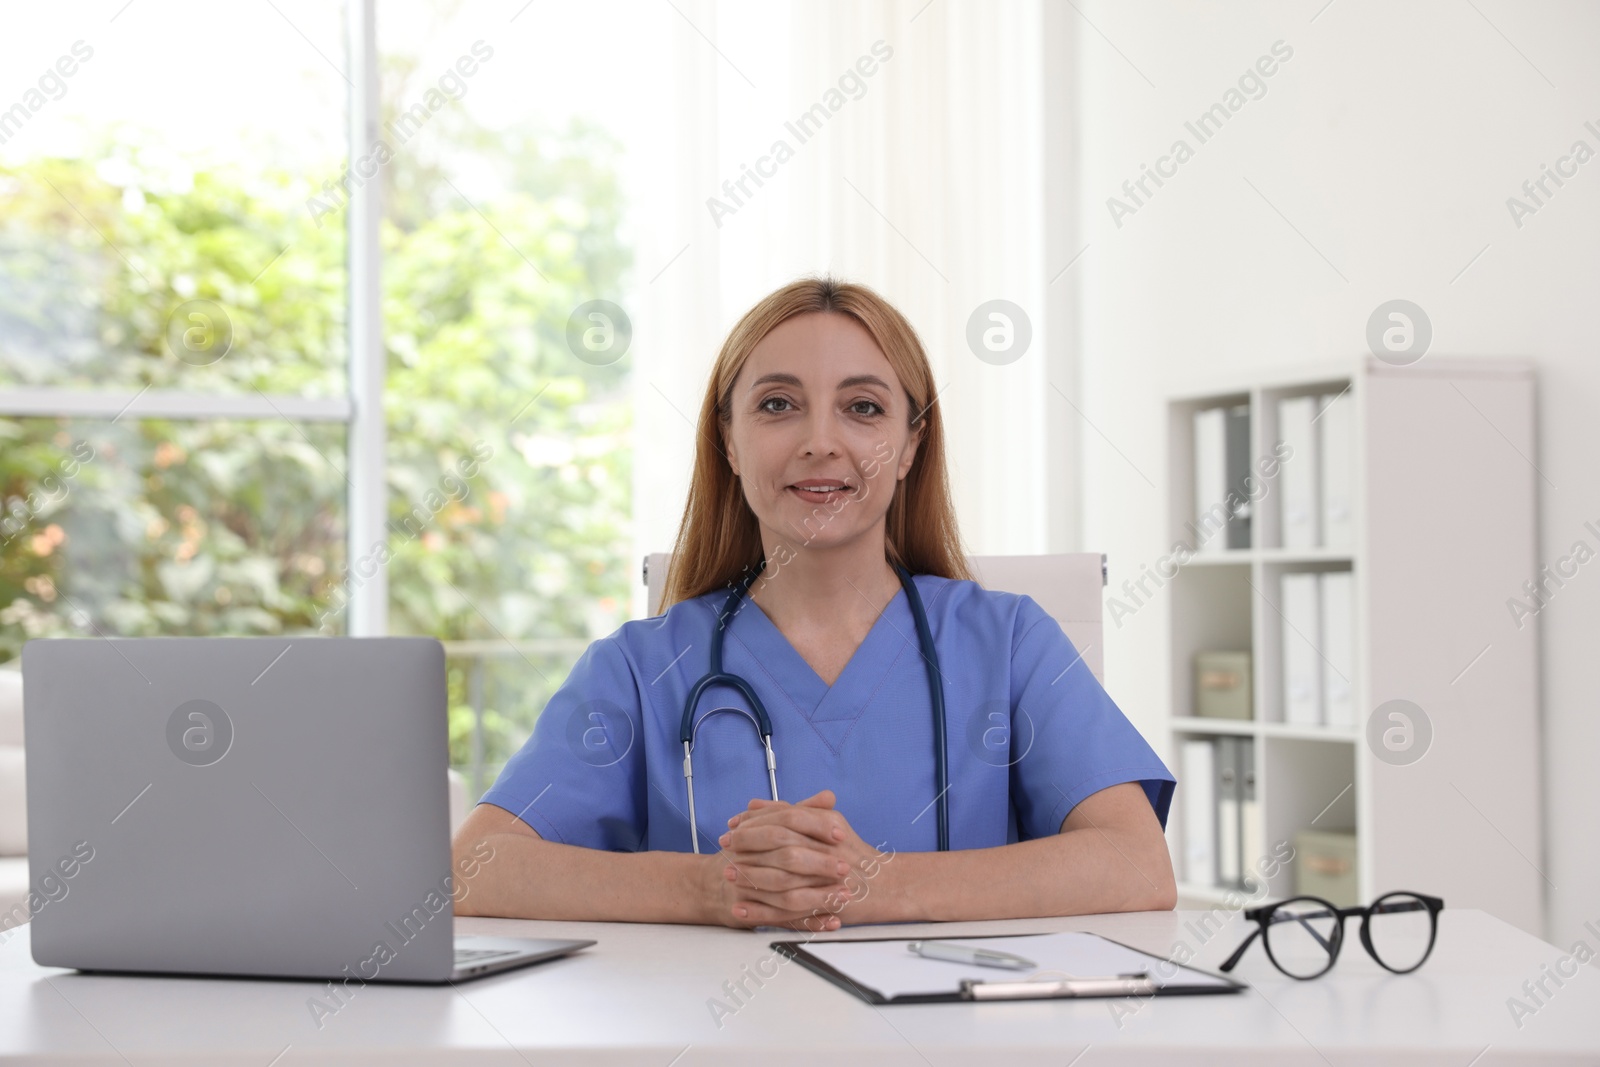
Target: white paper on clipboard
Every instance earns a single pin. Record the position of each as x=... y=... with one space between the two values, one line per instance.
x=893 y=971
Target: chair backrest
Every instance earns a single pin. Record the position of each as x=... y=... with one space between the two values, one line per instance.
x=13 y=776
x=1067 y=585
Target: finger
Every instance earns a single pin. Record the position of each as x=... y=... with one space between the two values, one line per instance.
x=753 y=914
x=785 y=905
x=777 y=909
x=757 y=804
x=824 y=799
x=768 y=811
x=759 y=869
x=825 y=826
x=773 y=880
x=802 y=861
x=745 y=872
x=755 y=841
x=772 y=876
x=814 y=924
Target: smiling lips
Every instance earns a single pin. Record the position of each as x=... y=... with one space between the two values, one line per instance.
x=819 y=490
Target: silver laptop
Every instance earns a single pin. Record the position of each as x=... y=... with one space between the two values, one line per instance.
x=267 y=807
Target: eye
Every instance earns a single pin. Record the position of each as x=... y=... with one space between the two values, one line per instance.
x=876 y=408
x=779 y=399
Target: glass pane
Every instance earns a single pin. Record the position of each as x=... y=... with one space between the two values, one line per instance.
x=506 y=273
x=1303 y=937
x=163 y=527
x=1401 y=931
x=497 y=689
x=162 y=186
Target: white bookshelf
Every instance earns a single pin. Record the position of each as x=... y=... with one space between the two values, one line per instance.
x=1444 y=492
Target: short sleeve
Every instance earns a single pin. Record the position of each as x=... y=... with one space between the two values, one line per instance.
x=580 y=778
x=1081 y=741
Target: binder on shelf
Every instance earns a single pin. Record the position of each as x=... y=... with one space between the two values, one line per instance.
x=1335 y=452
x=1250 y=828
x=1302 y=660
x=1237 y=468
x=1210 y=480
x=1229 y=783
x=1338 y=646
x=1199 y=761
x=1298 y=476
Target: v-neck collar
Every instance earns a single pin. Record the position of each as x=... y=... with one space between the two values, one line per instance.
x=856 y=685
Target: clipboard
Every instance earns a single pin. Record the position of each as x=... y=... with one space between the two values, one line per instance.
x=1072 y=965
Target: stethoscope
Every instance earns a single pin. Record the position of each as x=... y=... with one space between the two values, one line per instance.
x=716 y=676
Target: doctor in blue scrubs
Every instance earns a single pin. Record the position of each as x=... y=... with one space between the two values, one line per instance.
x=939 y=750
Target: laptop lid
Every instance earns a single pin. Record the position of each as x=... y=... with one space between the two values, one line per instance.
x=252 y=806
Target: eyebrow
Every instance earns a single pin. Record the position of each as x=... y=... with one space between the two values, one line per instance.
x=844 y=383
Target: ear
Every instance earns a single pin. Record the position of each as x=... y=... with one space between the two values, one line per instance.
x=910 y=453
x=733 y=461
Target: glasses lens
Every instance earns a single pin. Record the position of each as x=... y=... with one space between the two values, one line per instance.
x=1303 y=937
x=1401 y=930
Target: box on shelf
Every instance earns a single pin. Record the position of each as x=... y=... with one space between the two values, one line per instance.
x=1325 y=866
x=1222 y=685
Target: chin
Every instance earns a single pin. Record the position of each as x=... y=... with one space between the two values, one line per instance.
x=828 y=535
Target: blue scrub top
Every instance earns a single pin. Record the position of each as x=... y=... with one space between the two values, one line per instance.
x=1030 y=731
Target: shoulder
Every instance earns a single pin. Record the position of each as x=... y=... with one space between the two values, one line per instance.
x=968 y=606
x=643 y=641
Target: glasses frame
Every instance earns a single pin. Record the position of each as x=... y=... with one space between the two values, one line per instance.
x=1262 y=917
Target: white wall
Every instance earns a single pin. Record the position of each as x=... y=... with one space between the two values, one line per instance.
x=931 y=188
x=1390 y=141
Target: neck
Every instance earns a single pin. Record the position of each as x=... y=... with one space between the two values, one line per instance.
x=817 y=584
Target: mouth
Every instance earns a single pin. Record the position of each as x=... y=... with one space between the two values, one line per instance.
x=821 y=491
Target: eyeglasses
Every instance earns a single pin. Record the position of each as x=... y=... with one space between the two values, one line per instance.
x=1303 y=935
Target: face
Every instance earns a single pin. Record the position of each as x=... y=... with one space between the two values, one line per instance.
x=817 y=405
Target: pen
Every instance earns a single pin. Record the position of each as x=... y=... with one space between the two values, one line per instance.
x=1136 y=984
x=982 y=957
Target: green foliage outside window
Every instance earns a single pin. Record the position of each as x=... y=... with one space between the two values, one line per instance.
x=509 y=468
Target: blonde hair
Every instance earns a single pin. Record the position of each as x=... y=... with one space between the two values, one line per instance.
x=719 y=538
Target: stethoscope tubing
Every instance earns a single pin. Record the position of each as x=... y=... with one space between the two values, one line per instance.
x=763 y=722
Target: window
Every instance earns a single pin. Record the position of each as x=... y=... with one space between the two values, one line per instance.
x=509 y=354
x=181 y=440
x=172 y=322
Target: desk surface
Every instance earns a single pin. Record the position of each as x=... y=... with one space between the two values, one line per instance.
x=645 y=993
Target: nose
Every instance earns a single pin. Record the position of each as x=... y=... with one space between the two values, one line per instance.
x=822 y=433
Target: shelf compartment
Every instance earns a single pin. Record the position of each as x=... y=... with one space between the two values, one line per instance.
x=1211 y=611
x=1269 y=641
x=1181 y=461
x=1268 y=525
x=1304 y=785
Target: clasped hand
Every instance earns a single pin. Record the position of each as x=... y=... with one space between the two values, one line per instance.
x=795 y=865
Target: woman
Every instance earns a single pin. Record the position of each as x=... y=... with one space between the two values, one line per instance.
x=819 y=488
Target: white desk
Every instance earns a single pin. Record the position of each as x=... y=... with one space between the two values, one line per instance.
x=640 y=996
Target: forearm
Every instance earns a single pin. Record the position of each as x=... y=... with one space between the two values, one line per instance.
x=531 y=878
x=1078 y=872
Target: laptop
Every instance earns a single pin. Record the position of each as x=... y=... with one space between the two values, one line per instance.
x=249 y=806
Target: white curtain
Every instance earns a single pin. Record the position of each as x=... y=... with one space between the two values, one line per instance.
x=928 y=183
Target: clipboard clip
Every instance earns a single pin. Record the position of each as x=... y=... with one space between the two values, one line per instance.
x=1120 y=985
